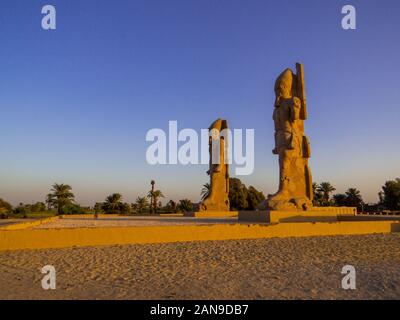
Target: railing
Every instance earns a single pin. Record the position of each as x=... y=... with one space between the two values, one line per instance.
x=380 y=213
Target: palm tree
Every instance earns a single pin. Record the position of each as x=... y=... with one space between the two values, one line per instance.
x=49 y=201
x=98 y=208
x=205 y=191
x=5 y=207
x=185 y=205
x=326 y=189
x=141 y=204
x=61 y=195
x=315 y=187
x=113 y=203
x=340 y=200
x=150 y=195
x=155 y=195
x=317 y=199
x=171 y=206
x=353 y=198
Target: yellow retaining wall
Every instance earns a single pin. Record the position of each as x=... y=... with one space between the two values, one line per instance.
x=28 y=224
x=59 y=238
x=211 y=214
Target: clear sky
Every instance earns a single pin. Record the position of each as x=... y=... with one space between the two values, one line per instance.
x=76 y=102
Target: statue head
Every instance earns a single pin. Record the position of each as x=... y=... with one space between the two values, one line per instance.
x=284 y=84
x=219 y=125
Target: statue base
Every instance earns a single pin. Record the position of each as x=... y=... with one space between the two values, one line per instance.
x=211 y=214
x=314 y=214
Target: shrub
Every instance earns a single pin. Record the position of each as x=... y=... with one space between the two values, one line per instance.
x=5 y=207
x=185 y=205
x=3 y=215
x=71 y=208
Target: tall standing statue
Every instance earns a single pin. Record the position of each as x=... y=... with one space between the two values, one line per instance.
x=291 y=145
x=218 y=196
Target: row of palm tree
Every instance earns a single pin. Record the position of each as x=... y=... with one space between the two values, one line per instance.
x=322 y=196
x=61 y=196
x=150 y=203
x=142 y=205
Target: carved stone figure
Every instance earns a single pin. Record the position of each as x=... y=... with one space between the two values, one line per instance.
x=291 y=145
x=217 y=198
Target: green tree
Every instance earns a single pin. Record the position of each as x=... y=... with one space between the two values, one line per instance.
x=22 y=209
x=354 y=198
x=150 y=195
x=5 y=208
x=114 y=205
x=254 y=198
x=317 y=199
x=59 y=196
x=326 y=189
x=72 y=208
x=155 y=195
x=98 y=208
x=243 y=198
x=390 y=195
x=141 y=204
x=340 y=200
x=351 y=198
x=185 y=205
x=237 y=194
x=49 y=201
x=38 y=207
x=171 y=207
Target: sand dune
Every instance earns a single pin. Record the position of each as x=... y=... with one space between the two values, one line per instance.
x=305 y=268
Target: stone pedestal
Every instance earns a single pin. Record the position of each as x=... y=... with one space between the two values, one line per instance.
x=315 y=214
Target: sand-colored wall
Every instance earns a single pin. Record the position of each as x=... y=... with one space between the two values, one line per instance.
x=59 y=238
x=28 y=224
x=211 y=214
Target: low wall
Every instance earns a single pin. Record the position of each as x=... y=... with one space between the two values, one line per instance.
x=28 y=224
x=315 y=214
x=211 y=214
x=60 y=238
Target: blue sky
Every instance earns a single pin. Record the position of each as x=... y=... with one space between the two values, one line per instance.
x=76 y=102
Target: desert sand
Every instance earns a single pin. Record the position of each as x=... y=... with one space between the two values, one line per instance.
x=290 y=268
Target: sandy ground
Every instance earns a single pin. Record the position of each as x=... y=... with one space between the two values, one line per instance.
x=304 y=268
x=130 y=221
